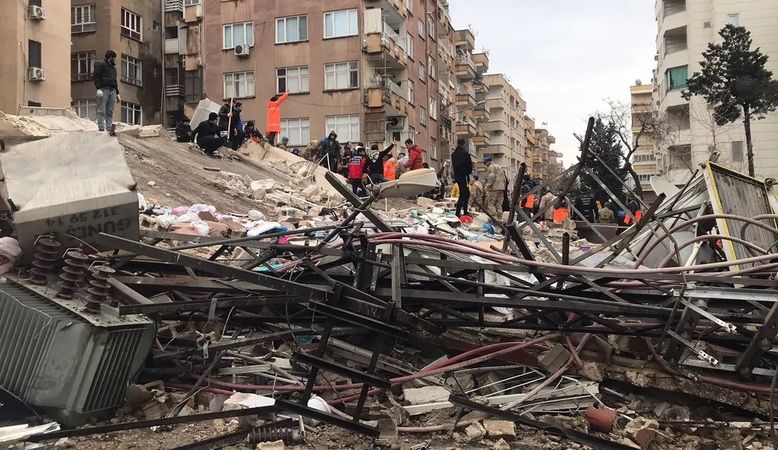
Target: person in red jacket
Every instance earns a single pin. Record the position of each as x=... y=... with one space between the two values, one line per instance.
x=273 y=125
x=414 y=156
x=356 y=168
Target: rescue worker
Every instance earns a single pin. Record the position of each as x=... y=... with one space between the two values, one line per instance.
x=547 y=205
x=273 y=124
x=356 y=168
x=477 y=192
x=415 y=158
x=561 y=212
x=495 y=187
x=585 y=205
x=528 y=204
x=463 y=166
x=606 y=213
x=329 y=152
x=390 y=168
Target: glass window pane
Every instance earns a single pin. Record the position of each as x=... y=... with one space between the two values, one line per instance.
x=303 y=28
x=329 y=25
x=280 y=30
x=250 y=33
x=228 y=37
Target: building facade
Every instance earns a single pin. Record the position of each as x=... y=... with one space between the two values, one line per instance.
x=685 y=27
x=501 y=121
x=367 y=69
x=34 y=51
x=133 y=29
x=644 y=159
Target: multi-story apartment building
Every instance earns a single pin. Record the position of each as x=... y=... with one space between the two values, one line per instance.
x=183 y=58
x=367 y=69
x=133 y=29
x=544 y=158
x=644 y=158
x=465 y=104
x=34 y=49
x=685 y=27
x=501 y=119
x=447 y=82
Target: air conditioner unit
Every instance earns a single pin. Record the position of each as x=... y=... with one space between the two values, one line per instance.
x=396 y=122
x=36 y=13
x=36 y=74
x=242 y=50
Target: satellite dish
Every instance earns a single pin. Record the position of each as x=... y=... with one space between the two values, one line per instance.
x=638 y=82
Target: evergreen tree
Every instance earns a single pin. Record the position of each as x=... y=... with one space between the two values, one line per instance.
x=605 y=144
x=732 y=79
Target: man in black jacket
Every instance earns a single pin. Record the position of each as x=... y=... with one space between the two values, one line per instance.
x=207 y=135
x=107 y=91
x=375 y=162
x=329 y=152
x=462 y=166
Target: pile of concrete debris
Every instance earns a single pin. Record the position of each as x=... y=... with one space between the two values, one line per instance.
x=404 y=326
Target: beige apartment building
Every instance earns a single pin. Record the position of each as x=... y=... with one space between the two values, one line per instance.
x=501 y=120
x=35 y=48
x=544 y=159
x=644 y=160
x=685 y=27
x=367 y=69
x=133 y=29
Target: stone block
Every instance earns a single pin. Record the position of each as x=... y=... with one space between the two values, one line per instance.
x=500 y=429
x=426 y=394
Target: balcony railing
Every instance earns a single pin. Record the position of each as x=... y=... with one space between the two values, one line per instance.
x=174 y=90
x=174 y=5
x=391 y=35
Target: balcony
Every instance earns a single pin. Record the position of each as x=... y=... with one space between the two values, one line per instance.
x=482 y=115
x=388 y=96
x=174 y=90
x=481 y=62
x=465 y=97
x=172 y=46
x=482 y=140
x=465 y=67
x=465 y=39
x=465 y=129
x=495 y=148
x=174 y=6
x=389 y=44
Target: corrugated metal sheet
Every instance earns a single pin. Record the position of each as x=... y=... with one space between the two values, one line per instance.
x=734 y=193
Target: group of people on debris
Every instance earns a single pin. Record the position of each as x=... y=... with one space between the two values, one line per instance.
x=227 y=128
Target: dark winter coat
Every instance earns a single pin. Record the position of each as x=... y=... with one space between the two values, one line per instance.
x=105 y=76
x=205 y=129
x=461 y=163
x=376 y=167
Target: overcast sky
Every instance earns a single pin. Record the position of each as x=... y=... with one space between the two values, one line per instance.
x=564 y=56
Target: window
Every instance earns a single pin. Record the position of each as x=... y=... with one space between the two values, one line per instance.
x=292 y=79
x=191 y=2
x=132 y=25
x=433 y=108
x=297 y=130
x=341 y=76
x=82 y=66
x=86 y=109
x=676 y=78
x=422 y=72
x=34 y=54
x=434 y=148
x=409 y=44
x=291 y=29
x=411 y=92
x=340 y=23
x=132 y=70
x=238 y=34
x=347 y=127
x=423 y=116
x=644 y=178
x=131 y=113
x=82 y=19
x=421 y=28
x=733 y=19
x=193 y=86
x=239 y=84
x=431 y=26
x=431 y=67
x=737 y=151
x=34 y=3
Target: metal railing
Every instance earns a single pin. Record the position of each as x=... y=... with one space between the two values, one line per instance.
x=391 y=35
x=175 y=90
x=174 y=5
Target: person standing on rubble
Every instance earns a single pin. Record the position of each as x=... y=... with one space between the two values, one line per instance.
x=273 y=123
x=415 y=158
x=606 y=213
x=107 y=91
x=528 y=204
x=348 y=153
x=356 y=168
x=547 y=205
x=584 y=203
x=477 y=192
x=375 y=163
x=390 y=168
x=236 y=127
x=329 y=152
x=462 y=165
x=495 y=188
x=311 y=151
x=208 y=136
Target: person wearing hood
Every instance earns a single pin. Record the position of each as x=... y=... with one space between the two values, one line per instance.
x=310 y=152
x=107 y=91
x=375 y=163
x=273 y=123
x=237 y=136
x=184 y=130
x=415 y=158
x=495 y=188
x=329 y=152
x=462 y=166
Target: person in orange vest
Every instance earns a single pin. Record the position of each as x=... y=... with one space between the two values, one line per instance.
x=634 y=208
x=561 y=212
x=528 y=204
x=390 y=166
x=273 y=124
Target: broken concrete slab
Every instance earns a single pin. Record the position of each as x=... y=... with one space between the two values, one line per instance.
x=500 y=429
x=642 y=431
x=426 y=394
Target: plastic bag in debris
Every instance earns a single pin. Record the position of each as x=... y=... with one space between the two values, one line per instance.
x=187 y=218
x=178 y=210
x=255 y=215
x=9 y=253
x=142 y=205
x=223 y=217
x=199 y=207
x=201 y=227
x=164 y=221
x=261 y=227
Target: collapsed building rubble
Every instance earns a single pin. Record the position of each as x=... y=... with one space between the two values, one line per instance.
x=337 y=311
